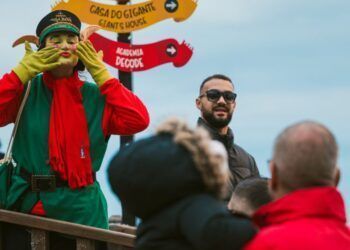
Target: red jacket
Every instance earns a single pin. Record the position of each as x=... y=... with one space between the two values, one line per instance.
x=311 y=218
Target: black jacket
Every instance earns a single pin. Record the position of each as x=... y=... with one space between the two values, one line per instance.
x=242 y=164
x=196 y=222
x=157 y=181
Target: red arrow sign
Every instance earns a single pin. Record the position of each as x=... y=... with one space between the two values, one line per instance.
x=130 y=58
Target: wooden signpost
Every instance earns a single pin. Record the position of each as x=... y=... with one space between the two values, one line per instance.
x=126 y=79
x=122 y=19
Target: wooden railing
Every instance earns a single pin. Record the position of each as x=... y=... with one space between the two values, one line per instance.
x=123 y=228
x=85 y=235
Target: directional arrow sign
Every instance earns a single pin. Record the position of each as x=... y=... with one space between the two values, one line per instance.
x=171 y=50
x=171 y=5
x=127 y=18
x=131 y=58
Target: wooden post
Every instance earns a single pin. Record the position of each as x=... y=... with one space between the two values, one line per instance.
x=40 y=239
x=126 y=79
x=85 y=244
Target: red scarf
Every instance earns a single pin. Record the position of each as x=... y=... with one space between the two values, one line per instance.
x=69 y=146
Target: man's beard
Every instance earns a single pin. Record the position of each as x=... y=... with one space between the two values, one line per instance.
x=214 y=121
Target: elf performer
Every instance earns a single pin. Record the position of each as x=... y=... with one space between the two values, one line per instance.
x=65 y=125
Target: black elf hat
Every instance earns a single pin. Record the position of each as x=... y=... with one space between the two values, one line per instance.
x=58 y=20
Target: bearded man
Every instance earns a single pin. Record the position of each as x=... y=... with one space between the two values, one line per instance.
x=217 y=102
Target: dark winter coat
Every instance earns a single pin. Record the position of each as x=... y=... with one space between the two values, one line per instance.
x=242 y=165
x=157 y=181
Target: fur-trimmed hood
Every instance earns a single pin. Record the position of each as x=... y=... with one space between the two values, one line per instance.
x=177 y=162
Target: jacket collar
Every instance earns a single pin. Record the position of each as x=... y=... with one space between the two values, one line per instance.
x=317 y=202
x=227 y=139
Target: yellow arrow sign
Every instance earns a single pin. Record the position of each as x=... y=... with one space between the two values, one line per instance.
x=127 y=18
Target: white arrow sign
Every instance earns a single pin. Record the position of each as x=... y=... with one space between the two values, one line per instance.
x=171 y=5
x=171 y=50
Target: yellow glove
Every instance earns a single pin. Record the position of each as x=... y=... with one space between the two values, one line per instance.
x=93 y=62
x=34 y=63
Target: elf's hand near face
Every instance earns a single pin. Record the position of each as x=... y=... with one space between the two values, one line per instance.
x=35 y=62
x=93 y=62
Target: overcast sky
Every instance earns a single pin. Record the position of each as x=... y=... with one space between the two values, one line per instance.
x=289 y=61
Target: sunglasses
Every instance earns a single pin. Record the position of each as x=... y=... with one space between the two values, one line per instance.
x=214 y=95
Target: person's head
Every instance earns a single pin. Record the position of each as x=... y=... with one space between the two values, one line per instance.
x=177 y=162
x=216 y=100
x=61 y=29
x=249 y=195
x=305 y=155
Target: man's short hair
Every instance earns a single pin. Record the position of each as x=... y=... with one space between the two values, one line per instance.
x=251 y=194
x=216 y=76
x=306 y=155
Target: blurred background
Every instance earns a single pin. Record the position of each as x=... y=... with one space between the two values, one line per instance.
x=289 y=61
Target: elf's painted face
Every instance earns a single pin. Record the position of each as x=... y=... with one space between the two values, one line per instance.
x=67 y=43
